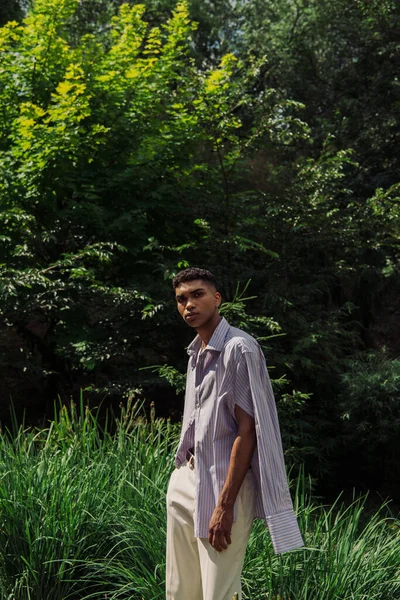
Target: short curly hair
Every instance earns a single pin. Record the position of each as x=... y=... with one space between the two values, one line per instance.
x=191 y=274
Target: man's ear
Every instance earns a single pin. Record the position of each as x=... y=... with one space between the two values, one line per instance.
x=218 y=299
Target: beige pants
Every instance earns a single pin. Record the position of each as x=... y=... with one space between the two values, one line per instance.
x=195 y=570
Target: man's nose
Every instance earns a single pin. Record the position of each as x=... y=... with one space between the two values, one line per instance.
x=190 y=304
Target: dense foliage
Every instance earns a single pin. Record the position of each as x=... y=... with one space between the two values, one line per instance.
x=82 y=516
x=260 y=143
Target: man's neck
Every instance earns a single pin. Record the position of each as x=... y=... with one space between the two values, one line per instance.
x=208 y=329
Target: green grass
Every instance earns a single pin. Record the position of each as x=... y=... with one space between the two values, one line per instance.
x=82 y=515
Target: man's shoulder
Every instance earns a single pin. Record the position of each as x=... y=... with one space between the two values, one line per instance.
x=239 y=341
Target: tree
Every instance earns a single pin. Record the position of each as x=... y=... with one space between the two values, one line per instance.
x=108 y=147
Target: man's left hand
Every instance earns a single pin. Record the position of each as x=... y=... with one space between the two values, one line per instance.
x=220 y=528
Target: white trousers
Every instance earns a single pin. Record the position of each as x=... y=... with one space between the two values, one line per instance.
x=195 y=570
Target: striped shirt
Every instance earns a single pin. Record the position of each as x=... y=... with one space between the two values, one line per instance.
x=231 y=370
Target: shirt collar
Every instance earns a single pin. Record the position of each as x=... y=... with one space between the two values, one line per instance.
x=216 y=342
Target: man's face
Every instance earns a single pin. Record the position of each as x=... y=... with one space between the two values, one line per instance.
x=198 y=302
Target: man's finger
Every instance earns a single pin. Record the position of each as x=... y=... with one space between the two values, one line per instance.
x=213 y=538
x=228 y=538
x=214 y=541
x=221 y=543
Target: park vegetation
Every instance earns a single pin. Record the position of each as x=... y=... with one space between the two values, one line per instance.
x=257 y=139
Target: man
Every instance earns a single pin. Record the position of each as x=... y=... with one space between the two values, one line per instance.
x=229 y=464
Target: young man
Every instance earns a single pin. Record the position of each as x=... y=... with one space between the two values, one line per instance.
x=229 y=464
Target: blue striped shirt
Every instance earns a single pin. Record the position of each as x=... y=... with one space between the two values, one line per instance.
x=231 y=370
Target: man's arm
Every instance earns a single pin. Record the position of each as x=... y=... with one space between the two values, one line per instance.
x=241 y=455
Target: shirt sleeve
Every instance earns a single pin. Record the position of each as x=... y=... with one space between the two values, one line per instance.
x=270 y=465
x=242 y=391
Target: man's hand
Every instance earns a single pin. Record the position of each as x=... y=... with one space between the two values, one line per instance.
x=220 y=528
x=219 y=532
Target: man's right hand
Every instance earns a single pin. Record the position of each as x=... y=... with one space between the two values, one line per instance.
x=220 y=528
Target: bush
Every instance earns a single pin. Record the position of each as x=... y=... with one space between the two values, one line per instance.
x=370 y=405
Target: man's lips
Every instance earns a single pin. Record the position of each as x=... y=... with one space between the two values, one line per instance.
x=191 y=316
